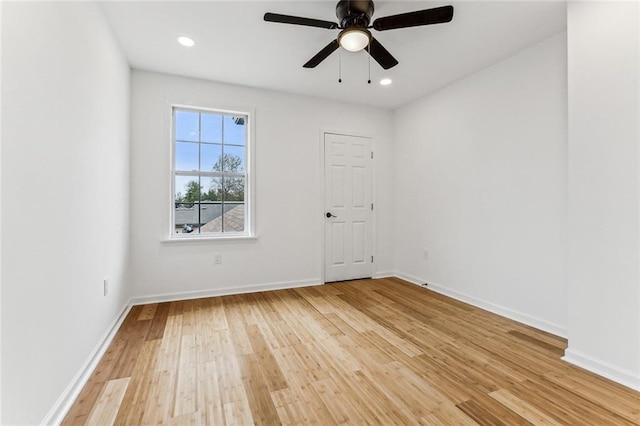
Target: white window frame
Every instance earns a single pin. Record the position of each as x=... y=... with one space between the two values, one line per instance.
x=249 y=197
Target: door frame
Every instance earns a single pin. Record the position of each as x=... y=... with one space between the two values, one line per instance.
x=321 y=211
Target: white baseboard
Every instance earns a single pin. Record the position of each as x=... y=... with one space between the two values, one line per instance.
x=199 y=294
x=624 y=377
x=491 y=307
x=69 y=395
x=383 y=274
x=409 y=278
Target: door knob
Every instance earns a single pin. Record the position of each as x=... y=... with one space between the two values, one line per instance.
x=329 y=215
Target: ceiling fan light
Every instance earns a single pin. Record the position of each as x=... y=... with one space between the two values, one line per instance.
x=354 y=39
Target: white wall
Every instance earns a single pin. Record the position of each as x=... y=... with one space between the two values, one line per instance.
x=289 y=197
x=65 y=197
x=604 y=111
x=481 y=185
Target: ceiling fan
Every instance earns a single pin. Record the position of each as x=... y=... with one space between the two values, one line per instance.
x=354 y=17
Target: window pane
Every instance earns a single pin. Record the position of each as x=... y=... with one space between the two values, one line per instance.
x=212 y=188
x=233 y=189
x=186 y=216
x=233 y=219
x=234 y=159
x=234 y=130
x=211 y=217
x=211 y=128
x=210 y=156
x=187 y=189
x=187 y=124
x=186 y=204
x=186 y=156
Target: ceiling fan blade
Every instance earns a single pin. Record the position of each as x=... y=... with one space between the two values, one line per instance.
x=296 y=20
x=322 y=55
x=381 y=55
x=438 y=15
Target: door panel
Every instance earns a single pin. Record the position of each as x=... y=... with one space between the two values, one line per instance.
x=338 y=185
x=358 y=185
x=359 y=242
x=348 y=186
x=337 y=237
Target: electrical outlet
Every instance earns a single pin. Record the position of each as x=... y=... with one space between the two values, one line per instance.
x=425 y=254
x=217 y=259
x=105 y=286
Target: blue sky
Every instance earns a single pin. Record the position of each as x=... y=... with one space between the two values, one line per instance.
x=214 y=130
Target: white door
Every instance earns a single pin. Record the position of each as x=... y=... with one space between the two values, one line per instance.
x=348 y=207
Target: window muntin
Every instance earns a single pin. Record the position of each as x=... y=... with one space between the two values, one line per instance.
x=210 y=173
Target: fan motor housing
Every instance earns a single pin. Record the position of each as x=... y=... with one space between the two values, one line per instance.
x=354 y=13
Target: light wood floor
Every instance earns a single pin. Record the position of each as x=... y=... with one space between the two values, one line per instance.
x=361 y=352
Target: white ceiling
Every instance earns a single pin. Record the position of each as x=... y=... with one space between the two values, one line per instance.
x=234 y=44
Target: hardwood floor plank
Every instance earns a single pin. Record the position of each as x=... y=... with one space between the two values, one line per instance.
x=236 y=408
x=375 y=400
x=538 y=342
x=135 y=399
x=214 y=311
x=197 y=418
x=159 y=322
x=341 y=409
x=186 y=395
x=250 y=313
x=564 y=406
x=270 y=368
x=298 y=365
x=148 y=312
x=169 y=352
x=160 y=401
x=362 y=352
x=91 y=391
x=591 y=387
x=301 y=405
x=598 y=412
x=105 y=410
x=332 y=356
x=446 y=415
x=480 y=414
x=83 y=405
x=175 y=308
x=522 y=408
x=257 y=391
x=209 y=393
x=134 y=341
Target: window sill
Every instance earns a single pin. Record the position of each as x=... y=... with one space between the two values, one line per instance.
x=247 y=238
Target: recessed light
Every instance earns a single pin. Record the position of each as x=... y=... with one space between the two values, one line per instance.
x=385 y=82
x=186 y=41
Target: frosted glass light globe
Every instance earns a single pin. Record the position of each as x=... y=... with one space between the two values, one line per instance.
x=354 y=40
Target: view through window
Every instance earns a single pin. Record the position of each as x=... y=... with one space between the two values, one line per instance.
x=209 y=172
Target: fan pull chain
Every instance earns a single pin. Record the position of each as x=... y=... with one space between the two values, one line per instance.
x=369 y=49
x=339 y=66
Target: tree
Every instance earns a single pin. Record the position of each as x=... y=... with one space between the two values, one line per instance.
x=227 y=163
x=227 y=188
x=192 y=195
x=193 y=192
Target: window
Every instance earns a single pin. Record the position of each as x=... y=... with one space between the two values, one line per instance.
x=210 y=173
